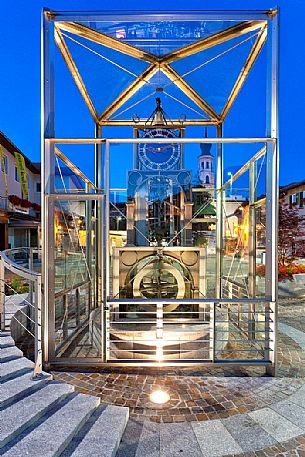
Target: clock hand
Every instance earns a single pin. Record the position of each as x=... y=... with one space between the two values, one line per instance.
x=158 y=149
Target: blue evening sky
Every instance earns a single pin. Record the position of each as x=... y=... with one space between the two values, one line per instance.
x=20 y=78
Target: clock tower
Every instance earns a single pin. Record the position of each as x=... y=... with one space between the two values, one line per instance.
x=205 y=165
x=159 y=187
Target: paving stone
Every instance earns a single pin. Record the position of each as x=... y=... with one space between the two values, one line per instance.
x=15 y=368
x=104 y=436
x=22 y=414
x=178 y=439
x=192 y=399
x=17 y=388
x=149 y=443
x=298 y=397
x=297 y=335
x=6 y=341
x=208 y=435
x=247 y=433
x=9 y=353
x=292 y=412
x=51 y=437
x=130 y=440
x=275 y=424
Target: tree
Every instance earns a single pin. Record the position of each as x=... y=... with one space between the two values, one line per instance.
x=291 y=234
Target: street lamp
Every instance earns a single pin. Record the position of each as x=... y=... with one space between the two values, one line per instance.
x=118 y=223
x=231 y=182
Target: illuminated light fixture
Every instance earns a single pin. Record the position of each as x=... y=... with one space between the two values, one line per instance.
x=159 y=396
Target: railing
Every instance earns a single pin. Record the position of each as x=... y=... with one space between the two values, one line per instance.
x=233 y=289
x=34 y=302
x=71 y=313
x=223 y=331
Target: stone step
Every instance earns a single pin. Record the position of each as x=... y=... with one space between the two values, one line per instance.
x=104 y=436
x=15 y=368
x=15 y=389
x=21 y=415
x=52 y=436
x=6 y=341
x=10 y=353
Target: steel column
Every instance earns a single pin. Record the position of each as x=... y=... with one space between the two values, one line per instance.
x=38 y=329
x=105 y=248
x=219 y=212
x=252 y=248
x=99 y=258
x=88 y=218
x=2 y=296
x=47 y=181
x=272 y=197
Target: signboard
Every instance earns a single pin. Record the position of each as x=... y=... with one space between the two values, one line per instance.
x=21 y=168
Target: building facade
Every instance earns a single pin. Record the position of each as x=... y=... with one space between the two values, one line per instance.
x=19 y=216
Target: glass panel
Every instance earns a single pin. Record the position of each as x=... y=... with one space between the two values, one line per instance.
x=174 y=102
x=160 y=37
x=74 y=262
x=213 y=72
x=159 y=219
x=105 y=72
x=236 y=238
x=242 y=331
x=244 y=230
x=67 y=179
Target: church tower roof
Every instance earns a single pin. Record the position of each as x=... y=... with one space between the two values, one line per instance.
x=205 y=147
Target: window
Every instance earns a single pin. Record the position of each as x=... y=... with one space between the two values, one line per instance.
x=301 y=199
x=5 y=164
x=207 y=165
x=207 y=180
x=38 y=187
x=202 y=165
x=16 y=174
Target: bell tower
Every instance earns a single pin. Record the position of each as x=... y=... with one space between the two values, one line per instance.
x=205 y=165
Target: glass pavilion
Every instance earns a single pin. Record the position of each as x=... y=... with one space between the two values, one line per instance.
x=167 y=252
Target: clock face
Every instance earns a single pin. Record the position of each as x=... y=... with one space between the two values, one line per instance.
x=156 y=156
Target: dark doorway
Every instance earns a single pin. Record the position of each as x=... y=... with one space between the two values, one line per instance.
x=2 y=237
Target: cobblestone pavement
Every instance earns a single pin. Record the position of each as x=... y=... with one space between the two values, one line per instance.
x=212 y=396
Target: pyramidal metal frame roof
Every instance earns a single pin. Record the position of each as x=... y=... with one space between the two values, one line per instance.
x=82 y=25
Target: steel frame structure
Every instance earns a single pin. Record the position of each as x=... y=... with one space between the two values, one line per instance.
x=54 y=23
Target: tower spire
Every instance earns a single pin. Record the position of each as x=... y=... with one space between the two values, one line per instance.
x=205 y=147
x=205 y=164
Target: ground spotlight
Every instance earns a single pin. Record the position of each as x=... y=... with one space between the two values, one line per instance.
x=159 y=396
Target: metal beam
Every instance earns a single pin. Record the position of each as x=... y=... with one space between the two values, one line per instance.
x=73 y=167
x=213 y=40
x=160 y=140
x=189 y=91
x=245 y=167
x=105 y=40
x=176 y=123
x=152 y=16
x=139 y=82
x=59 y=40
x=256 y=49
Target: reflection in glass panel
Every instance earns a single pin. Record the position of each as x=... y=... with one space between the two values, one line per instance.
x=74 y=276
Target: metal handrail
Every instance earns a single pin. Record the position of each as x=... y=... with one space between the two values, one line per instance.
x=6 y=262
